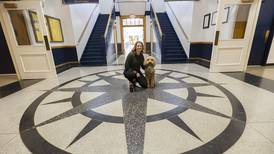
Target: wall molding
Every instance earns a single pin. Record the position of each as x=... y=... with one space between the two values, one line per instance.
x=8 y=74
x=65 y=66
x=201 y=43
x=64 y=46
x=72 y=62
x=270 y=64
x=199 y=61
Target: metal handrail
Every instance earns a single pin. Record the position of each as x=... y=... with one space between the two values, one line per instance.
x=109 y=19
x=82 y=34
x=157 y=21
x=177 y=20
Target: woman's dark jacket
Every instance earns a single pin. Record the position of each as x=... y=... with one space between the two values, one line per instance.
x=134 y=62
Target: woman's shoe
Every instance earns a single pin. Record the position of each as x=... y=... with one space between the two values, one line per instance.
x=131 y=88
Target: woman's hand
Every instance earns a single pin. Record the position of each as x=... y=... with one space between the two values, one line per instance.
x=137 y=74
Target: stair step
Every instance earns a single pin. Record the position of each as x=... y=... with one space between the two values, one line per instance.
x=170 y=39
x=91 y=46
x=177 y=59
x=101 y=60
x=170 y=35
x=173 y=49
x=93 y=49
x=169 y=49
x=97 y=38
x=83 y=62
x=167 y=56
x=92 y=58
x=92 y=54
x=94 y=42
x=172 y=43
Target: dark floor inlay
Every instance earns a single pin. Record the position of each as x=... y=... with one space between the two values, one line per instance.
x=59 y=101
x=16 y=86
x=257 y=81
x=181 y=124
x=89 y=127
x=134 y=109
x=134 y=116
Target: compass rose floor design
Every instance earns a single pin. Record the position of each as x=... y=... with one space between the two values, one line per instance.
x=90 y=110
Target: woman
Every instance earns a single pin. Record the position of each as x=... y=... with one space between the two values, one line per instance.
x=134 y=61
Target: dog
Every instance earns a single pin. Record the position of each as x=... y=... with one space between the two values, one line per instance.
x=150 y=71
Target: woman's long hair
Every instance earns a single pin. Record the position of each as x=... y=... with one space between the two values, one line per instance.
x=135 y=45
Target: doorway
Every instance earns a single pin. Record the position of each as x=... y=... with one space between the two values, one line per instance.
x=235 y=28
x=263 y=35
x=132 y=29
x=26 y=32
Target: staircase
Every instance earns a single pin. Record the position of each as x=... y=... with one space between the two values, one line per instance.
x=94 y=53
x=172 y=50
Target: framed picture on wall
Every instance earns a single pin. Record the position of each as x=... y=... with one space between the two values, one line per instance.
x=227 y=11
x=206 y=22
x=55 y=29
x=36 y=27
x=213 y=18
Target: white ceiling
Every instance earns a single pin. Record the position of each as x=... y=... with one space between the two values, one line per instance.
x=131 y=7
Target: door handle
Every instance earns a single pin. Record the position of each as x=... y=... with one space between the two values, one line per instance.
x=266 y=36
x=216 y=42
x=46 y=42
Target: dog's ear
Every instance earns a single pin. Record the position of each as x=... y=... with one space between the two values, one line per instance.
x=154 y=61
x=145 y=62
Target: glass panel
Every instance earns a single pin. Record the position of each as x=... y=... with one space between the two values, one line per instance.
x=26 y=27
x=141 y=21
x=133 y=21
x=131 y=35
x=128 y=21
x=124 y=21
x=234 y=21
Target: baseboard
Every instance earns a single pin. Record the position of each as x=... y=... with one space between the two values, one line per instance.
x=270 y=64
x=200 y=61
x=63 y=67
x=7 y=74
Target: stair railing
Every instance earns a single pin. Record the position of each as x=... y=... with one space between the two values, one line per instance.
x=109 y=39
x=181 y=33
x=83 y=39
x=156 y=20
x=158 y=47
x=86 y=26
x=177 y=20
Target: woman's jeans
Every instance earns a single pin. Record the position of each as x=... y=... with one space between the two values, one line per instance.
x=131 y=76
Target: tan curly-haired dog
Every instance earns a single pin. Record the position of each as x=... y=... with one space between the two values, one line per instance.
x=150 y=71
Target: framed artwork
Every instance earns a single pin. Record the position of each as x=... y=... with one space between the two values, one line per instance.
x=213 y=16
x=206 y=22
x=36 y=27
x=55 y=29
x=226 y=15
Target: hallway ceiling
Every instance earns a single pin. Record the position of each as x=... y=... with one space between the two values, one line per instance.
x=131 y=7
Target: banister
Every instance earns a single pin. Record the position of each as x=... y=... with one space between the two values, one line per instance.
x=84 y=30
x=177 y=20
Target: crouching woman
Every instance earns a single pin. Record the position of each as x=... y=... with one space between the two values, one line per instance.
x=135 y=61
